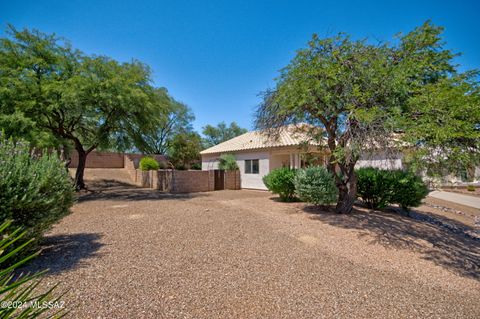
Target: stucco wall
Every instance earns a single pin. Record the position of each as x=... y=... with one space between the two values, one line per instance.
x=381 y=160
x=247 y=180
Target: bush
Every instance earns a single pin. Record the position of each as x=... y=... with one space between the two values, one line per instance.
x=148 y=163
x=316 y=185
x=379 y=188
x=374 y=186
x=281 y=181
x=471 y=188
x=227 y=162
x=35 y=191
x=196 y=166
x=19 y=289
x=408 y=189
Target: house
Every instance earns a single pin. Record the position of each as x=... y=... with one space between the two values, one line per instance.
x=257 y=154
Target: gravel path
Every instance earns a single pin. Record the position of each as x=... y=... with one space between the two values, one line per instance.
x=133 y=253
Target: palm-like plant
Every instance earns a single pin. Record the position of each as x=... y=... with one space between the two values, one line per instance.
x=19 y=296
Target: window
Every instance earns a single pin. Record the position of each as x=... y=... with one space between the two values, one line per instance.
x=251 y=166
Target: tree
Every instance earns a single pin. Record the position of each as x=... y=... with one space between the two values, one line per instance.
x=185 y=150
x=217 y=134
x=358 y=94
x=73 y=97
x=156 y=136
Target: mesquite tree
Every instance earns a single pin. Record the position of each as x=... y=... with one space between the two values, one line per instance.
x=358 y=94
x=76 y=98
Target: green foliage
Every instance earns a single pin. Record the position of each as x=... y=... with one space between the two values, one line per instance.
x=217 y=134
x=315 y=185
x=156 y=136
x=408 y=189
x=227 y=162
x=22 y=290
x=185 y=150
x=148 y=163
x=361 y=94
x=374 y=186
x=443 y=118
x=471 y=188
x=196 y=166
x=35 y=191
x=90 y=101
x=281 y=181
x=379 y=188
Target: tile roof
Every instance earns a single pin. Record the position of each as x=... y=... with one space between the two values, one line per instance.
x=291 y=135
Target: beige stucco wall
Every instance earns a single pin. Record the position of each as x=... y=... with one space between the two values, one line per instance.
x=253 y=181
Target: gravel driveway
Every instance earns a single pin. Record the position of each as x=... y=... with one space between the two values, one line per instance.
x=133 y=253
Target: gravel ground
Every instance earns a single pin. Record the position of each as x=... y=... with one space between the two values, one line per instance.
x=132 y=253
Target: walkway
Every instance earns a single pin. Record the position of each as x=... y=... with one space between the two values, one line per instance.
x=465 y=200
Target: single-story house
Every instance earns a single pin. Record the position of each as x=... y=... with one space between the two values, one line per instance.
x=257 y=154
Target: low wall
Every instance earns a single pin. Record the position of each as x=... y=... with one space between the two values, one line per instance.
x=99 y=160
x=184 y=181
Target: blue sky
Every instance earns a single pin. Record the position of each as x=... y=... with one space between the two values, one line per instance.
x=216 y=56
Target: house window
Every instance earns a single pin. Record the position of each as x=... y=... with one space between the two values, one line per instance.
x=251 y=166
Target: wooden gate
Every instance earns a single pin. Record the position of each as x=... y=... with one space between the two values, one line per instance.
x=219 y=179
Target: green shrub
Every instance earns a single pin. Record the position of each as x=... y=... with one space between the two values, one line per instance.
x=315 y=185
x=374 y=186
x=35 y=191
x=196 y=166
x=408 y=189
x=21 y=290
x=379 y=188
x=471 y=188
x=227 y=162
x=281 y=181
x=148 y=163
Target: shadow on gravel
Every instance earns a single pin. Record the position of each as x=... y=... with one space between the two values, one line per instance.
x=448 y=247
x=135 y=195
x=65 y=252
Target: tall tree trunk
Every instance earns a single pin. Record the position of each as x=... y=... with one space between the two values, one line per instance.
x=347 y=193
x=82 y=159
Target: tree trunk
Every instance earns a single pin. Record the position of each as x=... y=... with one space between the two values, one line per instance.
x=347 y=193
x=82 y=159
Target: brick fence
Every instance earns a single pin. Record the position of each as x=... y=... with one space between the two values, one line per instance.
x=185 y=181
x=113 y=160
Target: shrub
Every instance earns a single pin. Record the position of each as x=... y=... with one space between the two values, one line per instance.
x=471 y=188
x=379 y=188
x=227 y=162
x=148 y=163
x=35 y=191
x=281 y=181
x=196 y=166
x=408 y=189
x=22 y=289
x=374 y=186
x=315 y=185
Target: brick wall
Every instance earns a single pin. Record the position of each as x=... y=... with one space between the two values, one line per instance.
x=99 y=160
x=232 y=179
x=186 y=181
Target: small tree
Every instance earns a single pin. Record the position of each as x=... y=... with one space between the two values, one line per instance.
x=227 y=162
x=185 y=150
